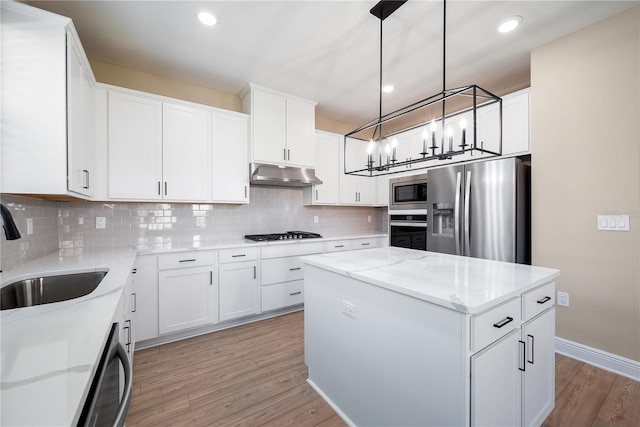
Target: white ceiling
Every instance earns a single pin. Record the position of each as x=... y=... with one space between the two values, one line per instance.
x=328 y=51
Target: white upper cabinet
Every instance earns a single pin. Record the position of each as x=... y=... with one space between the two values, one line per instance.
x=80 y=120
x=46 y=105
x=230 y=167
x=327 y=165
x=157 y=150
x=135 y=147
x=354 y=189
x=282 y=126
x=515 y=124
x=186 y=137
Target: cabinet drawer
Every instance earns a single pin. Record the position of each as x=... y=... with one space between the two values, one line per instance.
x=495 y=323
x=277 y=270
x=339 y=245
x=238 y=254
x=282 y=295
x=366 y=243
x=294 y=249
x=186 y=259
x=538 y=300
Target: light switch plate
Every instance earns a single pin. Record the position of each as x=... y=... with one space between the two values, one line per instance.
x=613 y=222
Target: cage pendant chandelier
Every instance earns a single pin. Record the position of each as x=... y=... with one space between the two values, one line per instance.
x=451 y=126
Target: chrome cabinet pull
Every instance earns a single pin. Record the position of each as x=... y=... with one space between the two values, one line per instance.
x=135 y=302
x=543 y=300
x=85 y=178
x=295 y=293
x=503 y=322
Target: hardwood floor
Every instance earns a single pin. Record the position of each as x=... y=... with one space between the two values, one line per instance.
x=255 y=375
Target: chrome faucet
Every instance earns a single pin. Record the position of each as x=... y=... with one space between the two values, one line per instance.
x=10 y=229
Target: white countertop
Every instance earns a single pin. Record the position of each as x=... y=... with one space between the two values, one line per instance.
x=50 y=351
x=468 y=285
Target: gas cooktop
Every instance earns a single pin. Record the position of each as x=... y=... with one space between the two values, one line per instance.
x=289 y=235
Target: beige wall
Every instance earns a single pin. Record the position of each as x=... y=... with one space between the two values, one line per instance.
x=585 y=136
x=147 y=82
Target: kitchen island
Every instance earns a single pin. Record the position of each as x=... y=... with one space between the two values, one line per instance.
x=403 y=337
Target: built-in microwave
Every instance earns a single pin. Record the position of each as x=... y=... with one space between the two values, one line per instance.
x=408 y=192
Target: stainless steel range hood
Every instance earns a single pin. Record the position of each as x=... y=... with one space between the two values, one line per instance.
x=284 y=176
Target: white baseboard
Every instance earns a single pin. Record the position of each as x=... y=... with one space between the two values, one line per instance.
x=601 y=359
x=330 y=402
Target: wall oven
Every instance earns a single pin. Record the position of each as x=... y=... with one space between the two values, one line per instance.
x=408 y=192
x=408 y=229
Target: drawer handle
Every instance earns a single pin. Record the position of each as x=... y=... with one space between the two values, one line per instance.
x=339 y=246
x=365 y=244
x=294 y=269
x=503 y=322
x=521 y=359
x=238 y=256
x=530 y=341
x=295 y=293
x=543 y=300
x=187 y=260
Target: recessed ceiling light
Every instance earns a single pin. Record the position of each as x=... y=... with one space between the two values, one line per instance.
x=510 y=24
x=387 y=88
x=207 y=19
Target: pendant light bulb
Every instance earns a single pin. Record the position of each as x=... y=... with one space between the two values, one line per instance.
x=449 y=131
x=394 y=143
x=463 y=123
x=387 y=148
x=371 y=146
x=433 y=126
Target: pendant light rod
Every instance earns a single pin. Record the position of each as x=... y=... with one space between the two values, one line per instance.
x=444 y=63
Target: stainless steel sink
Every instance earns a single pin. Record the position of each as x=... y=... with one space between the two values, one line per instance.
x=48 y=289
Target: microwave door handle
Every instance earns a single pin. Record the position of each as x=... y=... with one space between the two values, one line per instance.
x=467 y=211
x=126 y=398
x=456 y=213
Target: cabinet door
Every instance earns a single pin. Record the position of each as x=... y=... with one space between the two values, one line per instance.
x=239 y=291
x=355 y=158
x=367 y=190
x=268 y=118
x=300 y=126
x=135 y=147
x=538 y=384
x=79 y=122
x=327 y=166
x=186 y=298
x=230 y=166
x=145 y=287
x=515 y=125
x=186 y=139
x=495 y=383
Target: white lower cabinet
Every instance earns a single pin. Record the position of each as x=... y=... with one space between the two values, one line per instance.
x=495 y=383
x=146 y=289
x=239 y=290
x=187 y=296
x=282 y=295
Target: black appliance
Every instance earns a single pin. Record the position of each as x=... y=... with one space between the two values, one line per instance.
x=408 y=230
x=289 y=235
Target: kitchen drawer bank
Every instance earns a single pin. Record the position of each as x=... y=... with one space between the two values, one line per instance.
x=186 y=292
x=50 y=352
x=447 y=340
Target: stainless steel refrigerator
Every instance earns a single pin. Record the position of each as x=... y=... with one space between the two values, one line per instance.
x=481 y=210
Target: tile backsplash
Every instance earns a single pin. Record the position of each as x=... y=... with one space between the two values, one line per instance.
x=148 y=226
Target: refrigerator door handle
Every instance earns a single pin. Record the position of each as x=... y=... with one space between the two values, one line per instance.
x=456 y=213
x=467 y=208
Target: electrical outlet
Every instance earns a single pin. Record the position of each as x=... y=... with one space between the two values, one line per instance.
x=563 y=299
x=29 y=225
x=369 y=218
x=316 y=219
x=101 y=222
x=349 y=309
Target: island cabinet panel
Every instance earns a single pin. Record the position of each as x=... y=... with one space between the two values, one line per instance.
x=395 y=360
x=496 y=383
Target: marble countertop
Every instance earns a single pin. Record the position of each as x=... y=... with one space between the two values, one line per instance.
x=50 y=352
x=468 y=285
